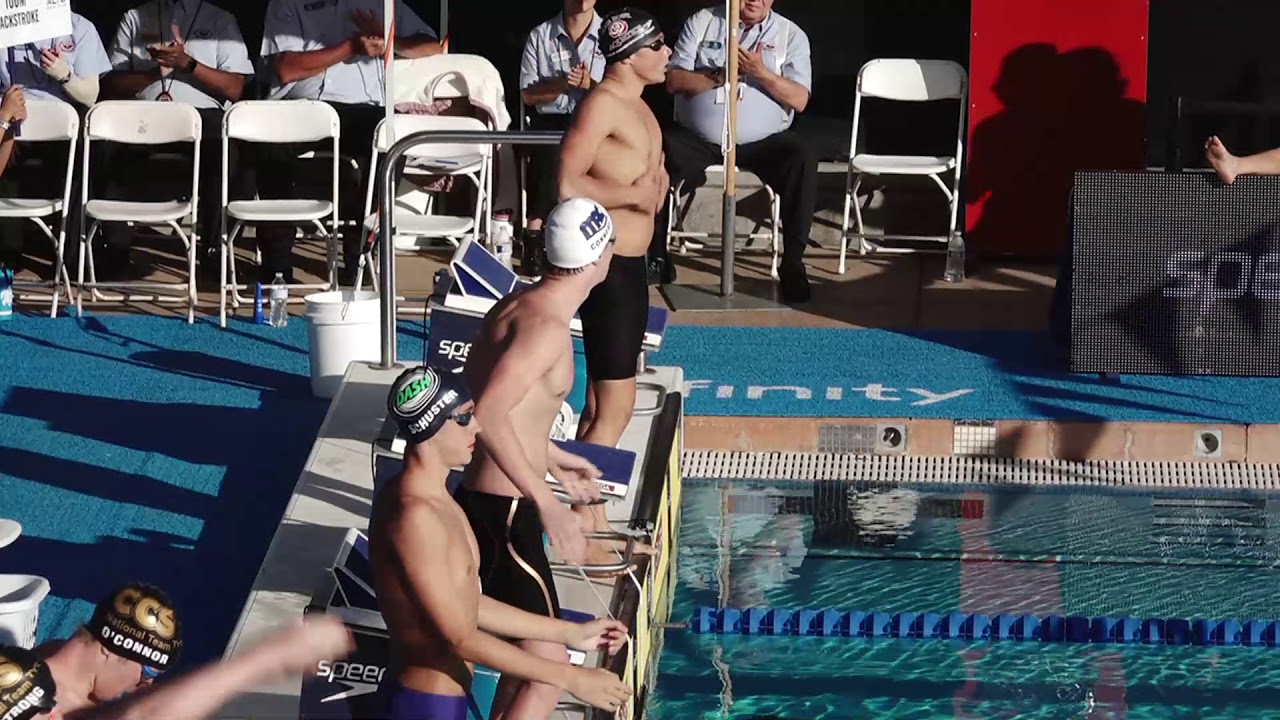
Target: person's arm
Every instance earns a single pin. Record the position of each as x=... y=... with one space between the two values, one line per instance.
x=682 y=78
x=457 y=619
x=417 y=46
x=527 y=359
x=790 y=88
x=227 y=85
x=300 y=65
x=505 y=620
x=535 y=92
x=414 y=38
x=201 y=693
x=595 y=121
x=13 y=109
x=690 y=82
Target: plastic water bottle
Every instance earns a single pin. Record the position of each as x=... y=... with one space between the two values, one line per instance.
x=955 y=259
x=6 y=293
x=503 y=237
x=279 y=302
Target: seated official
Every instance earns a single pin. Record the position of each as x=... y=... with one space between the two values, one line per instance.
x=561 y=62
x=64 y=69
x=186 y=51
x=775 y=82
x=331 y=51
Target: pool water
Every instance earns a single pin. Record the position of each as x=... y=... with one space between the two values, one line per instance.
x=944 y=549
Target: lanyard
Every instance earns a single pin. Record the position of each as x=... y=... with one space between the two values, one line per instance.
x=166 y=83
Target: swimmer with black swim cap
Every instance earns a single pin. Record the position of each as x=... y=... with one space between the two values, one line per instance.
x=425 y=560
x=612 y=153
x=27 y=688
x=132 y=638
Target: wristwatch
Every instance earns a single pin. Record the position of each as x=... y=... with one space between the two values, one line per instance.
x=4 y=127
x=191 y=65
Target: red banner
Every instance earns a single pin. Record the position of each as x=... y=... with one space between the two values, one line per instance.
x=1055 y=87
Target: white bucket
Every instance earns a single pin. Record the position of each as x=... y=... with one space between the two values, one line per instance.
x=342 y=328
x=10 y=530
x=20 y=598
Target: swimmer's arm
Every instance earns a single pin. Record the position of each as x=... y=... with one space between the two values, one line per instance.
x=456 y=618
x=594 y=121
x=528 y=358
x=205 y=691
x=504 y=620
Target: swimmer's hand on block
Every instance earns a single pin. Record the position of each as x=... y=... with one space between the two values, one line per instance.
x=576 y=657
x=615 y=465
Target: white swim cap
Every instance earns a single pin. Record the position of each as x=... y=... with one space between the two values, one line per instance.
x=576 y=234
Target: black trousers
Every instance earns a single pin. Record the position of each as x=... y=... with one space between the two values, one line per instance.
x=281 y=175
x=544 y=166
x=783 y=161
x=38 y=171
x=143 y=173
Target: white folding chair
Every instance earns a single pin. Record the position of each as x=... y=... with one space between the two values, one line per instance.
x=48 y=121
x=277 y=122
x=414 y=231
x=677 y=237
x=903 y=80
x=140 y=122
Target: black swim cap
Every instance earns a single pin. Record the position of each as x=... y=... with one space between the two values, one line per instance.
x=26 y=685
x=624 y=32
x=138 y=623
x=423 y=398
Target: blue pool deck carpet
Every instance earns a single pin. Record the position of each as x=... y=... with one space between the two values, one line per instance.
x=145 y=448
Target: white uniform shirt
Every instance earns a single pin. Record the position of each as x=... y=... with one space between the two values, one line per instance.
x=306 y=25
x=211 y=36
x=82 y=50
x=551 y=53
x=703 y=44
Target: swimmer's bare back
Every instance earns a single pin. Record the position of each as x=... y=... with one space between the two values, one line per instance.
x=616 y=139
x=520 y=320
x=402 y=525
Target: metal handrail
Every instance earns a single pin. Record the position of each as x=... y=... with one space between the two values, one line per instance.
x=386 y=208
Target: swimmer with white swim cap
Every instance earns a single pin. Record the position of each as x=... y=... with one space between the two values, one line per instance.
x=425 y=559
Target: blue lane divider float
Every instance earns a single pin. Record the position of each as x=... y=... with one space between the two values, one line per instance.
x=977 y=626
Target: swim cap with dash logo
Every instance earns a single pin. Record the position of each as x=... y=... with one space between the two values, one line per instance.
x=137 y=622
x=423 y=398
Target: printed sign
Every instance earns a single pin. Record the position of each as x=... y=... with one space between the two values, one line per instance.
x=450 y=338
x=1175 y=274
x=26 y=21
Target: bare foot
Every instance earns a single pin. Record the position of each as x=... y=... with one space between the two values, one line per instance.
x=610 y=552
x=1223 y=162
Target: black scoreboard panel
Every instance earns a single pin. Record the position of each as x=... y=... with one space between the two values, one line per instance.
x=1175 y=274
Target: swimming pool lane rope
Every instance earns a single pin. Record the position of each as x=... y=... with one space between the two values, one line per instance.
x=978 y=626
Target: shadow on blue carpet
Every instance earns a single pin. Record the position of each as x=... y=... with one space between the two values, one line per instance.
x=144 y=448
